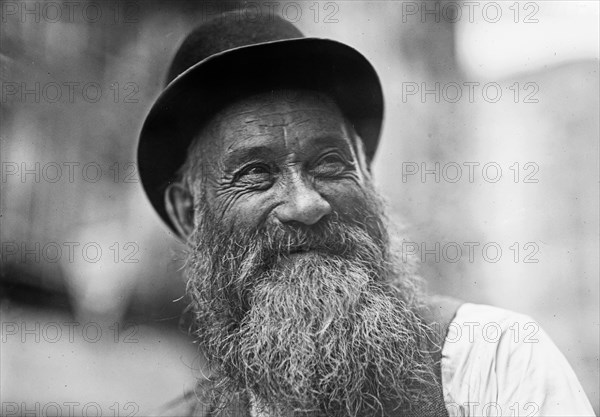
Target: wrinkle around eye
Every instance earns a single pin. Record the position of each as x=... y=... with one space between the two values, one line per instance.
x=246 y=183
x=342 y=179
x=338 y=166
x=254 y=169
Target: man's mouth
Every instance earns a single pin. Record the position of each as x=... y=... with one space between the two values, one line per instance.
x=310 y=249
x=298 y=250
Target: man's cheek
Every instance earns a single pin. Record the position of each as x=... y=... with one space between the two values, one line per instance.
x=229 y=207
x=347 y=200
x=246 y=215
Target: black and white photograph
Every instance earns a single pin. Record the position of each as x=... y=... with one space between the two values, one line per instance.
x=356 y=208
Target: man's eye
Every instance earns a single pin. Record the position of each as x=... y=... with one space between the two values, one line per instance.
x=330 y=164
x=331 y=159
x=254 y=169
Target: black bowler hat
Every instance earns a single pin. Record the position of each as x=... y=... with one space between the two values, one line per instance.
x=229 y=57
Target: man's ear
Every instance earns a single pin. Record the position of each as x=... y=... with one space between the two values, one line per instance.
x=179 y=203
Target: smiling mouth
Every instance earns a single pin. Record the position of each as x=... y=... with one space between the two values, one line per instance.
x=300 y=250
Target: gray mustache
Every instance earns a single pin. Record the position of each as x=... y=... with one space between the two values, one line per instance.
x=329 y=236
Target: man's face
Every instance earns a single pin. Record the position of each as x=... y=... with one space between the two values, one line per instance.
x=298 y=300
x=281 y=161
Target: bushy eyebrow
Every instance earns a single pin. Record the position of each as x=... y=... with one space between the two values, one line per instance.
x=332 y=141
x=238 y=156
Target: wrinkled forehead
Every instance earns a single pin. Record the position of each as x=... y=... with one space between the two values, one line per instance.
x=288 y=115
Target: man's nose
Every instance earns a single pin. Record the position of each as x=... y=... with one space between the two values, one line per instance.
x=302 y=203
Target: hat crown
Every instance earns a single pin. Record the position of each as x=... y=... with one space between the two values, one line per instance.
x=228 y=31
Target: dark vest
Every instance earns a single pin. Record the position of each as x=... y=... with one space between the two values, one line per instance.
x=439 y=314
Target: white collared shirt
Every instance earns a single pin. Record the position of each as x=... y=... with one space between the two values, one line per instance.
x=499 y=363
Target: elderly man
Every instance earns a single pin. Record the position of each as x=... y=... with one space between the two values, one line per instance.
x=257 y=154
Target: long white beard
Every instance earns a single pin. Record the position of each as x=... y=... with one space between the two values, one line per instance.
x=330 y=332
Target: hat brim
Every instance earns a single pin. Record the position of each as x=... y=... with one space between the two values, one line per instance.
x=199 y=92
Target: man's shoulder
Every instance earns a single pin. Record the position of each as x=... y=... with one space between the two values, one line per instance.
x=481 y=323
x=497 y=358
x=191 y=404
x=492 y=333
x=201 y=402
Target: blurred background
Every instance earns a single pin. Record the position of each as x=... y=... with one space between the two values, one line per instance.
x=489 y=159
